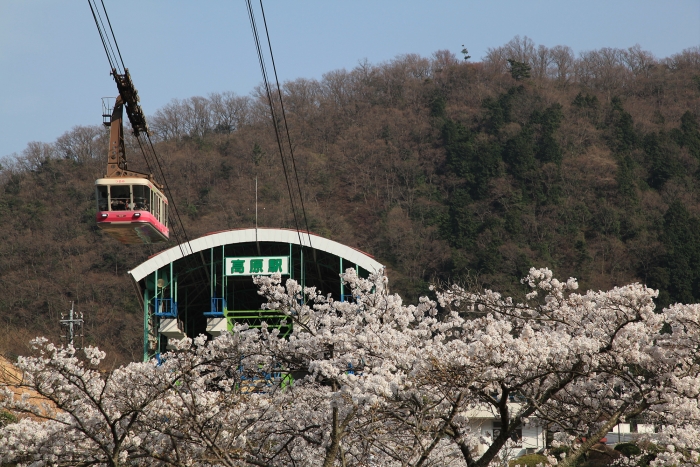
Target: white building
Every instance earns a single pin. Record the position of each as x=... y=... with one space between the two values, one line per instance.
x=530 y=438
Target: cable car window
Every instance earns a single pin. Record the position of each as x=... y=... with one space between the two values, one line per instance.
x=102 y=198
x=121 y=197
x=142 y=196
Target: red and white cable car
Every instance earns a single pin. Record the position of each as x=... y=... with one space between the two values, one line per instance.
x=130 y=205
x=132 y=210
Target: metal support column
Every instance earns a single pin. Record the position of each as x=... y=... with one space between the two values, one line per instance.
x=303 y=275
x=156 y=323
x=224 y=278
x=145 y=323
x=342 y=282
x=211 y=274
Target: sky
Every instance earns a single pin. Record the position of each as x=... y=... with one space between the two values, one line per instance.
x=54 y=71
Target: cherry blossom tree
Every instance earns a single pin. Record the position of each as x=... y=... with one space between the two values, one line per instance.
x=375 y=382
x=580 y=362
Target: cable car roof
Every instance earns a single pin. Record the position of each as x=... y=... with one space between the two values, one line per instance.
x=124 y=181
x=227 y=237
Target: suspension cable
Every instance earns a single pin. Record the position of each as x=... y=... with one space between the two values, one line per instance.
x=276 y=122
x=112 y=31
x=273 y=115
x=286 y=126
x=107 y=43
x=173 y=226
x=170 y=195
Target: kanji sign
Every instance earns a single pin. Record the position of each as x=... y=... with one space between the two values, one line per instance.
x=256 y=266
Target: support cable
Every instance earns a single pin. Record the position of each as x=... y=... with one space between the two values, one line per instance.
x=112 y=31
x=266 y=81
x=149 y=165
x=286 y=126
x=112 y=65
x=170 y=194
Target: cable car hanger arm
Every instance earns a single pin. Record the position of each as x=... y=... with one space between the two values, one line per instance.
x=116 y=162
x=130 y=98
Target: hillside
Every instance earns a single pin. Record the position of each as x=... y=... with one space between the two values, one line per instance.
x=441 y=168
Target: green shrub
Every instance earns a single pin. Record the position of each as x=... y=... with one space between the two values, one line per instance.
x=559 y=452
x=628 y=449
x=6 y=418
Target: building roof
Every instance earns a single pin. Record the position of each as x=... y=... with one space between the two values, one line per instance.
x=228 y=237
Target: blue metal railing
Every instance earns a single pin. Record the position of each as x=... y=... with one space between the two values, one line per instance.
x=218 y=305
x=165 y=308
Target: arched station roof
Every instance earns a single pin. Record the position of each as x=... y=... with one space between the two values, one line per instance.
x=228 y=237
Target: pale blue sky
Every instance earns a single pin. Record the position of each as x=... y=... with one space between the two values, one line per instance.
x=53 y=70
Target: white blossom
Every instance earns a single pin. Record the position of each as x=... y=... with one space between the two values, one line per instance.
x=374 y=381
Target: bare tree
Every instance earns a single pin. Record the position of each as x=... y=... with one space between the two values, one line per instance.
x=36 y=154
x=639 y=61
x=521 y=49
x=169 y=121
x=82 y=143
x=542 y=61
x=562 y=63
x=603 y=69
x=687 y=59
x=496 y=59
x=197 y=114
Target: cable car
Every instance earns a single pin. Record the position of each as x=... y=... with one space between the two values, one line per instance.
x=130 y=205
x=132 y=210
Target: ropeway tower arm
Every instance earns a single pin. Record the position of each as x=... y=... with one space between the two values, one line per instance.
x=116 y=162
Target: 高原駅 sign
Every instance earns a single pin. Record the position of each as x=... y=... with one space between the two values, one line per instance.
x=256 y=265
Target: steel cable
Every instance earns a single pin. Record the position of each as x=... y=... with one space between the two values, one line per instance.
x=286 y=126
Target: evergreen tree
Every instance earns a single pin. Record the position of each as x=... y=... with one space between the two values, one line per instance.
x=688 y=135
x=500 y=111
x=548 y=149
x=519 y=153
x=475 y=163
x=625 y=178
x=681 y=238
x=461 y=227
x=662 y=159
x=624 y=137
x=519 y=70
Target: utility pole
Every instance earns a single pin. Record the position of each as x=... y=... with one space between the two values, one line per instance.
x=74 y=326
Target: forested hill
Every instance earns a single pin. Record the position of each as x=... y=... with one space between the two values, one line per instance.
x=442 y=168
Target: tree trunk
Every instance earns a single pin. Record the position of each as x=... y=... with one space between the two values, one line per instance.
x=572 y=458
x=332 y=451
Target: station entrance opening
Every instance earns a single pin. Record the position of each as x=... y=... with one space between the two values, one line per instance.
x=211 y=288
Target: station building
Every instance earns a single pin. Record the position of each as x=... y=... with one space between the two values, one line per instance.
x=206 y=286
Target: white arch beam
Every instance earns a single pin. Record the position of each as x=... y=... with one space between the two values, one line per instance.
x=228 y=237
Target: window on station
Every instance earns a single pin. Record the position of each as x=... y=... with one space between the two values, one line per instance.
x=516 y=436
x=142 y=198
x=102 y=198
x=120 y=197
